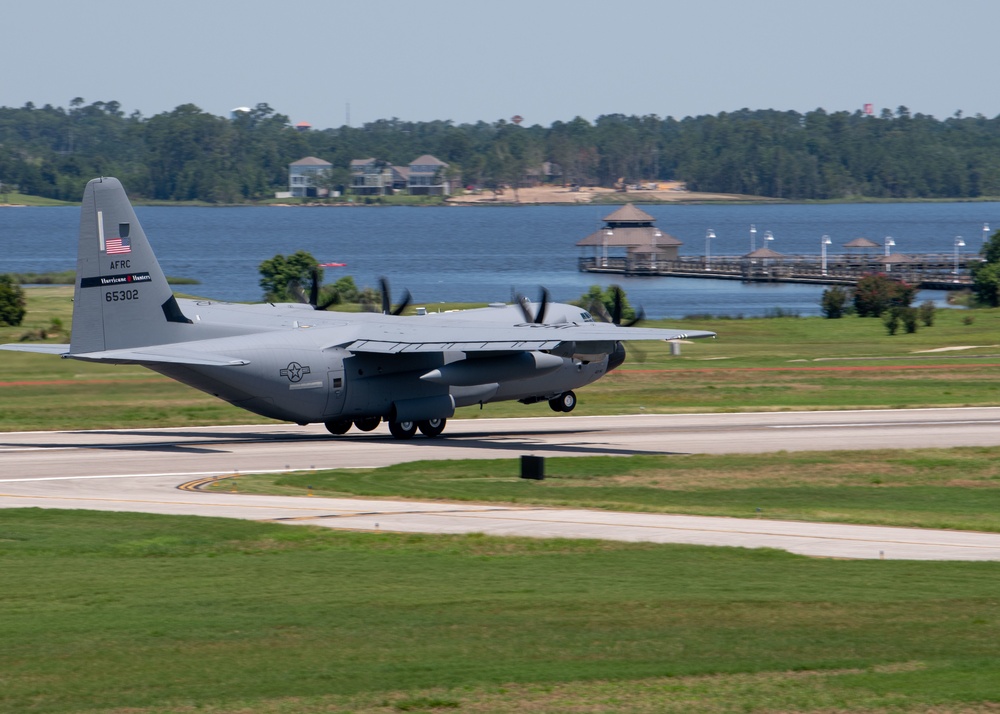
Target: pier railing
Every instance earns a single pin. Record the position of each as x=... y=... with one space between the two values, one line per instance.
x=928 y=270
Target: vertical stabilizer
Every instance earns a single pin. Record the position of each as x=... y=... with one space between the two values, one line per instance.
x=122 y=298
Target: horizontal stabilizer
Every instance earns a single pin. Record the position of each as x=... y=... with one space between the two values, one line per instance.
x=48 y=349
x=161 y=354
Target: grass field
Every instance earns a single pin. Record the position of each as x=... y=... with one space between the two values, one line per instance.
x=106 y=612
x=21 y=199
x=782 y=363
x=135 y=614
x=927 y=488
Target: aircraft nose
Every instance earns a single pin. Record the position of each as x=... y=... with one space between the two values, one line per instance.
x=616 y=358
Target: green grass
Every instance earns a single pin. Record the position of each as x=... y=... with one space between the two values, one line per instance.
x=928 y=488
x=115 y=612
x=143 y=614
x=21 y=199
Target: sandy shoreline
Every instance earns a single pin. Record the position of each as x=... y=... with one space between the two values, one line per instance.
x=671 y=192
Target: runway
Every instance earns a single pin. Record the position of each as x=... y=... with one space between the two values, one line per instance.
x=140 y=470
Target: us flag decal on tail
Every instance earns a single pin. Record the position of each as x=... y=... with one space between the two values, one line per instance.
x=113 y=246
x=117 y=245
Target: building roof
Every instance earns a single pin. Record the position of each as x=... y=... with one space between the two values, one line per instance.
x=650 y=249
x=630 y=236
x=764 y=253
x=427 y=159
x=629 y=213
x=896 y=258
x=310 y=161
x=362 y=162
x=861 y=243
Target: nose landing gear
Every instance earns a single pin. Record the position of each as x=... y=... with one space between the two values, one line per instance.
x=565 y=402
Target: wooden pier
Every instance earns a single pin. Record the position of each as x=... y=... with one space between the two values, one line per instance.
x=929 y=271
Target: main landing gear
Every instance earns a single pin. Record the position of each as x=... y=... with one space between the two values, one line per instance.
x=399 y=429
x=565 y=402
x=338 y=426
x=407 y=429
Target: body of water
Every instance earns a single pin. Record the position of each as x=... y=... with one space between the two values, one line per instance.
x=488 y=253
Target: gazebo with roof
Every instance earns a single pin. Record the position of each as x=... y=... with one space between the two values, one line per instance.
x=633 y=229
x=862 y=245
x=764 y=254
x=900 y=259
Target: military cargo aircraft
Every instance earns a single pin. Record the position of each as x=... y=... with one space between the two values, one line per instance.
x=298 y=363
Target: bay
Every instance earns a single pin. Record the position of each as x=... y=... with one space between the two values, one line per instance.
x=460 y=254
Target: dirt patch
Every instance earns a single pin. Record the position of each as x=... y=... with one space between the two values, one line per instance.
x=666 y=191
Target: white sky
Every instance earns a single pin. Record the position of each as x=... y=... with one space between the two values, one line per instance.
x=471 y=60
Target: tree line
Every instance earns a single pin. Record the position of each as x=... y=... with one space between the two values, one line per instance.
x=189 y=154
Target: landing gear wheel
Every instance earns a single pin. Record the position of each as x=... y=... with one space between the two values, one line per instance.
x=565 y=402
x=431 y=427
x=403 y=429
x=367 y=423
x=338 y=426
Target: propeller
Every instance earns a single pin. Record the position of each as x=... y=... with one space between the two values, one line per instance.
x=539 y=315
x=615 y=317
x=617 y=309
x=387 y=308
x=295 y=288
x=296 y=291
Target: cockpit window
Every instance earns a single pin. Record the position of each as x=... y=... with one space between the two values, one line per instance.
x=586 y=316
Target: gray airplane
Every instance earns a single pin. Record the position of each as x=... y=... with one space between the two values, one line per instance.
x=298 y=363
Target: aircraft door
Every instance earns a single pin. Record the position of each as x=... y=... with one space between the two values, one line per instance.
x=336 y=390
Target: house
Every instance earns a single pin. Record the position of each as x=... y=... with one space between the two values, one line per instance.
x=372 y=177
x=304 y=177
x=425 y=176
x=547 y=173
x=428 y=177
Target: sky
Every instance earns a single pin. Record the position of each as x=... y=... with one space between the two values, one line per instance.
x=336 y=62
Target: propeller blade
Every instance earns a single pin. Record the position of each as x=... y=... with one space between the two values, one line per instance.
x=328 y=302
x=640 y=315
x=314 y=288
x=297 y=292
x=386 y=302
x=398 y=310
x=617 y=313
x=616 y=309
x=544 y=303
x=524 y=303
x=599 y=311
x=387 y=308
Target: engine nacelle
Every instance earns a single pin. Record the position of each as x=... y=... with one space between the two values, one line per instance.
x=485 y=370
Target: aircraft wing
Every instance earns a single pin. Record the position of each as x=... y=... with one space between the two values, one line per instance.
x=473 y=337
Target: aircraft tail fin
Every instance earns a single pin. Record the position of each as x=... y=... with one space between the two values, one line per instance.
x=122 y=299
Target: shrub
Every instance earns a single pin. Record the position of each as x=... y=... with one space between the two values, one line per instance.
x=891 y=320
x=926 y=311
x=876 y=293
x=834 y=302
x=12 y=304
